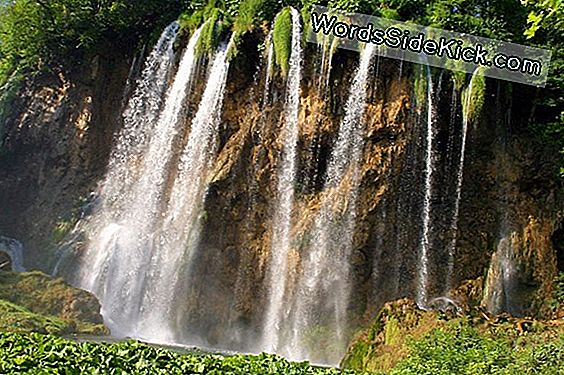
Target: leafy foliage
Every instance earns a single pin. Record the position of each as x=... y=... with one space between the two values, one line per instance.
x=37 y=34
x=250 y=11
x=35 y=354
x=462 y=350
x=544 y=15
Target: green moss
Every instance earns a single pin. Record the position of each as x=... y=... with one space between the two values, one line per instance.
x=14 y=318
x=459 y=78
x=189 y=22
x=420 y=85
x=49 y=297
x=406 y=340
x=460 y=348
x=35 y=291
x=359 y=356
x=282 y=38
x=305 y=13
x=392 y=333
x=380 y=346
x=473 y=97
x=61 y=229
x=391 y=14
x=209 y=36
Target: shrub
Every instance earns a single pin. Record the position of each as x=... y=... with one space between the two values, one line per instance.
x=461 y=349
x=249 y=14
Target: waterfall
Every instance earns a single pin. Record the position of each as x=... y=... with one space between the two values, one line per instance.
x=14 y=249
x=177 y=244
x=140 y=114
x=504 y=290
x=282 y=222
x=122 y=233
x=501 y=290
x=423 y=267
x=269 y=68
x=327 y=46
x=459 y=180
x=323 y=291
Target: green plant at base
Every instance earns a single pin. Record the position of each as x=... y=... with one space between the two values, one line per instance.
x=282 y=38
x=461 y=349
x=35 y=353
x=556 y=302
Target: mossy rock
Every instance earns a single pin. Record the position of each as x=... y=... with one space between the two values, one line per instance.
x=282 y=39
x=382 y=345
x=14 y=318
x=44 y=296
x=401 y=337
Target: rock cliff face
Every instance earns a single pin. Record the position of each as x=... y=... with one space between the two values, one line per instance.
x=59 y=136
x=56 y=142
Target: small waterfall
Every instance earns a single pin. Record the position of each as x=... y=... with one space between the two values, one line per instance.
x=503 y=275
x=173 y=260
x=123 y=231
x=423 y=266
x=282 y=222
x=327 y=47
x=459 y=180
x=504 y=290
x=323 y=291
x=14 y=249
x=269 y=69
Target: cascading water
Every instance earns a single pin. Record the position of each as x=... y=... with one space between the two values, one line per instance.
x=122 y=233
x=502 y=291
x=148 y=254
x=423 y=266
x=327 y=46
x=269 y=68
x=459 y=180
x=14 y=249
x=173 y=259
x=282 y=222
x=323 y=290
x=141 y=112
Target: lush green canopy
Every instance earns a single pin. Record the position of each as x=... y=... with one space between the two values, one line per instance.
x=39 y=34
